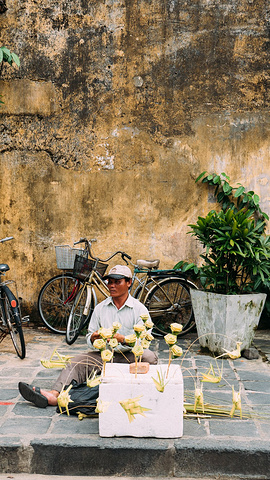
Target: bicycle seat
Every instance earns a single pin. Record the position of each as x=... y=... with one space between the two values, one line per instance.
x=4 y=267
x=148 y=263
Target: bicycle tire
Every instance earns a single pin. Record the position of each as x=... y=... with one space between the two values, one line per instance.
x=53 y=310
x=77 y=320
x=170 y=302
x=13 y=321
x=138 y=290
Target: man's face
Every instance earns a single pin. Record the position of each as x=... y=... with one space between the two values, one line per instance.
x=118 y=287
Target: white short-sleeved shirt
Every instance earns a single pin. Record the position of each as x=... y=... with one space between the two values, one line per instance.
x=106 y=313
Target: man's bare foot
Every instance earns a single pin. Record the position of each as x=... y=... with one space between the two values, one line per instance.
x=50 y=395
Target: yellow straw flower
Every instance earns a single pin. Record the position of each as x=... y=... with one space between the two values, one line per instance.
x=176 y=351
x=176 y=328
x=131 y=340
x=145 y=344
x=144 y=317
x=100 y=344
x=113 y=342
x=170 y=339
x=105 y=333
x=149 y=324
x=138 y=328
x=148 y=337
x=116 y=326
x=106 y=355
x=137 y=350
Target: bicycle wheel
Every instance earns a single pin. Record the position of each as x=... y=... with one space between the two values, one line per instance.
x=170 y=302
x=77 y=320
x=138 y=290
x=13 y=321
x=55 y=301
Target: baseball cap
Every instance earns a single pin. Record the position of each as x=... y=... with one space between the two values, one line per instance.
x=119 y=271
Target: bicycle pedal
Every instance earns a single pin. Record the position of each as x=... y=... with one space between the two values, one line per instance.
x=26 y=319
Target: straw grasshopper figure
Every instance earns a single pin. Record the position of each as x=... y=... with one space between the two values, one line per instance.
x=210 y=376
x=160 y=382
x=234 y=353
x=132 y=407
x=237 y=404
x=64 y=399
x=61 y=361
x=198 y=399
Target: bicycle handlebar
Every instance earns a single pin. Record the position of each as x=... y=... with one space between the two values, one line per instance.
x=125 y=256
x=6 y=239
x=88 y=244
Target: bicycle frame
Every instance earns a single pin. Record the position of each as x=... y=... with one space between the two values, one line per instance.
x=141 y=283
x=153 y=277
x=94 y=280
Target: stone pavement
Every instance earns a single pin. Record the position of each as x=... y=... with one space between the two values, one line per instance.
x=41 y=441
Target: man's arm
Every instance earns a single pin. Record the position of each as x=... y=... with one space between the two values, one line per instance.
x=93 y=328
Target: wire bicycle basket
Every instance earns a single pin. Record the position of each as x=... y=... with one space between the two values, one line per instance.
x=83 y=267
x=65 y=256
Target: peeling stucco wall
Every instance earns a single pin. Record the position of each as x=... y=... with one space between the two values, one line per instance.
x=115 y=110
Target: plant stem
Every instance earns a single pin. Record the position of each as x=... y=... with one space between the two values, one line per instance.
x=136 y=366
x=170 y=358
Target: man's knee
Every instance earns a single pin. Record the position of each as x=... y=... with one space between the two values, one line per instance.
x=150 y=357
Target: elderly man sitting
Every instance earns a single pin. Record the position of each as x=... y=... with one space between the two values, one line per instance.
x=119 y=308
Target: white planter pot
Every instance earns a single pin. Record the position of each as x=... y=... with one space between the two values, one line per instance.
x=223 y=320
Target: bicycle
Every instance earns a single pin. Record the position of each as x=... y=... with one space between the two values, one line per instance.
x=10 y=316
x=89 y=271
x=164 y=292
x=56 y=296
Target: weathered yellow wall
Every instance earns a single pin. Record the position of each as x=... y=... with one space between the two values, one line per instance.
x=116 y=109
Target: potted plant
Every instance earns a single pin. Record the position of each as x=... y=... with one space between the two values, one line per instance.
x=235 y=268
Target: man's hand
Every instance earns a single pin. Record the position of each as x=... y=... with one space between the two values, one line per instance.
x=120 y=338
x=94 y=336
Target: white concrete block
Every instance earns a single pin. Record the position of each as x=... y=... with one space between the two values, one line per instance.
x=164 y=419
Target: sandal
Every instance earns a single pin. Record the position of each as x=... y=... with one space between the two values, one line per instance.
x=33 y=396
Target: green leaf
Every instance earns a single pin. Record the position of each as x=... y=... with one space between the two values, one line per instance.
x=220 y=196
x=216 y=179
x=239 y=191
x=16 y=59
x=1 y=55
x=226 y=187
x=265 y=215
x=200 y=176
x=5 y=51
x=256 y=199
x=226 y=176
